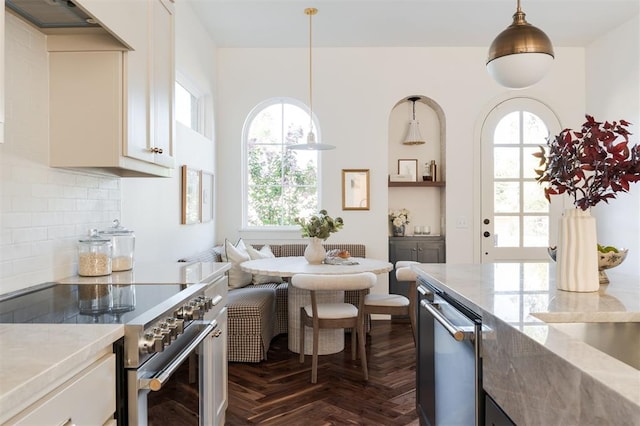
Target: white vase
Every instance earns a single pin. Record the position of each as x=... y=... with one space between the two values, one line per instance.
x=577 y=255
x=315 y=252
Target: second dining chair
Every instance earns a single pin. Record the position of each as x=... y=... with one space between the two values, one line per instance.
x=333 y=315
x=396 y=304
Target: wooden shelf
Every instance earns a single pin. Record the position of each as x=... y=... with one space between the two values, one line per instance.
x=416 y=184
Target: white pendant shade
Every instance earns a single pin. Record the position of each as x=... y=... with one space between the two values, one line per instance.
x=311 y=144
x=413 y=134
x=521 y=70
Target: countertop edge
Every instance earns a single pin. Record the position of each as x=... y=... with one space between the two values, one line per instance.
x=90 y=342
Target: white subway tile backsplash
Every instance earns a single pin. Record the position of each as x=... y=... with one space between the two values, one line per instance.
x=44 y=211
x=22 y=235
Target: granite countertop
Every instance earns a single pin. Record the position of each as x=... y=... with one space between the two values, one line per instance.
x=36 y=358
x=538 y=374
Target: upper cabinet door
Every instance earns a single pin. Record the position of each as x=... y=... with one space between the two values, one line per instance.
x=162 y=82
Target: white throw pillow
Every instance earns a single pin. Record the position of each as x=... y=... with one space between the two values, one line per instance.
x=264 y=253
x=236 y=255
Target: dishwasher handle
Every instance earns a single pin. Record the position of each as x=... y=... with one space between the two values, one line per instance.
x=456 y=332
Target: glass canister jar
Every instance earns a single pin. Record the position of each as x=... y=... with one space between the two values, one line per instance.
x=123 y=241
x=94 y=255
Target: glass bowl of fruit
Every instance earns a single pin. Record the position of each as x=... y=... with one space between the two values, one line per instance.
x=609 y=257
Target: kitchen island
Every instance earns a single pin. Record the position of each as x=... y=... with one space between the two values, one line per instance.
x=535 y=372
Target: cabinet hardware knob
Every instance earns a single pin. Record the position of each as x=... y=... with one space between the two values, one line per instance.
x=156 y=150
x=486 y=221
x=486 y=234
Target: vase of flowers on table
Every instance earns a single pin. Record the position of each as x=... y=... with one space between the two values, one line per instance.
x=399 y=219
x=318 y=228
x=591 y=165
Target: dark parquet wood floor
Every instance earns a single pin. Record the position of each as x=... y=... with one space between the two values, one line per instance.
x=279 y=391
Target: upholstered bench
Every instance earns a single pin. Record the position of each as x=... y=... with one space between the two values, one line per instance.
x=258 y=312
x=251 y=318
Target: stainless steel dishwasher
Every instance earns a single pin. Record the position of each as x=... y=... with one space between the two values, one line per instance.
x=449 y=364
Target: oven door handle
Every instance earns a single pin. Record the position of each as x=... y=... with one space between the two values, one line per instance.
x=455 y=332
x=156 y=383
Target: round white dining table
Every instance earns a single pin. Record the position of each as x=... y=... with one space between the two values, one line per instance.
x=331 y=340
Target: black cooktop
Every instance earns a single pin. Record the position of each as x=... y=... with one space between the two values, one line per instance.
x=82 y=304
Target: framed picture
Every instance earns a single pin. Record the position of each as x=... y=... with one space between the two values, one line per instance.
x=206 y=196
x=190 y=195
x=355 y=189
x=408 y=168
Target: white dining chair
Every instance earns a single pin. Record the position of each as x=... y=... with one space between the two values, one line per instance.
x=396 y=304
x=333 y=315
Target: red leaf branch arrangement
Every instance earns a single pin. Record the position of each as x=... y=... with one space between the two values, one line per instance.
x=591 y=165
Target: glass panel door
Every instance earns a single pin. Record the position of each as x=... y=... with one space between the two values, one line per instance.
x=517 y=221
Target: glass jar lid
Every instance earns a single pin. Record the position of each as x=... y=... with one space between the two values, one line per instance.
x=117 y=229
x=94 y=239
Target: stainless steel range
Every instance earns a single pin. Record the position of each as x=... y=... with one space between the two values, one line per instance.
x=174 y=318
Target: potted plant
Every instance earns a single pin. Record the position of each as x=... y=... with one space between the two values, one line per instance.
x=399 y=219
x=591 y=165
x=318 y=228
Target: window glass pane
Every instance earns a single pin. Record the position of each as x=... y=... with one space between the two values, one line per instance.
x=506 y=163
x=534 y=129
x=506 y=197
x=529 y=163
x=533 y=198
x=506 y=231
x=183 y=105
x=264 y=164
x=508 y=130
x=536 y=231
x=266 y=127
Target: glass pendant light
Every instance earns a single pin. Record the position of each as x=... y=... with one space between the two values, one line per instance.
x=312 y=144
x=521 y=55
x=413 y=133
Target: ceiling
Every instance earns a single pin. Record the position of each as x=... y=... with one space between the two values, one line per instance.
x=409 y=23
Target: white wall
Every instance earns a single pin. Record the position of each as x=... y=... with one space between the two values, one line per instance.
x=613 y=93
x=355 y=90
x=44 y=211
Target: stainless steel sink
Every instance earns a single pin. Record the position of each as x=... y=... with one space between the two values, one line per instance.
x=620 y=340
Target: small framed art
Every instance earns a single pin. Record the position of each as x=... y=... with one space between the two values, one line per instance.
x=408 y=167
x=190 y=195
x=355 y=189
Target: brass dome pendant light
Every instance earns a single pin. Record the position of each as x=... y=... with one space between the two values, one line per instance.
x=521 y=55
x=312 y=144
x=413 y=133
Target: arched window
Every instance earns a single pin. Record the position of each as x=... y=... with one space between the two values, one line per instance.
x=279 y=184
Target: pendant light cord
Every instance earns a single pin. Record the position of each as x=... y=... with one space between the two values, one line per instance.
x=310 y=11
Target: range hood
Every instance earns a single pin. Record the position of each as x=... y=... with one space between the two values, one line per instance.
x=51 y=13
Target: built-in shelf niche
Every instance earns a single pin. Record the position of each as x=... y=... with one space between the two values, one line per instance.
x=425 y=199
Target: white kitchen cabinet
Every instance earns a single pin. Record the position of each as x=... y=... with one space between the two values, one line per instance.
x=112 y=108
x=88 y=398
x=220 y=373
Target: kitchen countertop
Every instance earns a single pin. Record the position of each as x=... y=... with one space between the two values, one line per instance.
x=36 y=358
x=536 y=373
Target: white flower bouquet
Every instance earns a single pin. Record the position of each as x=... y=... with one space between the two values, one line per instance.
x=399 y=217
